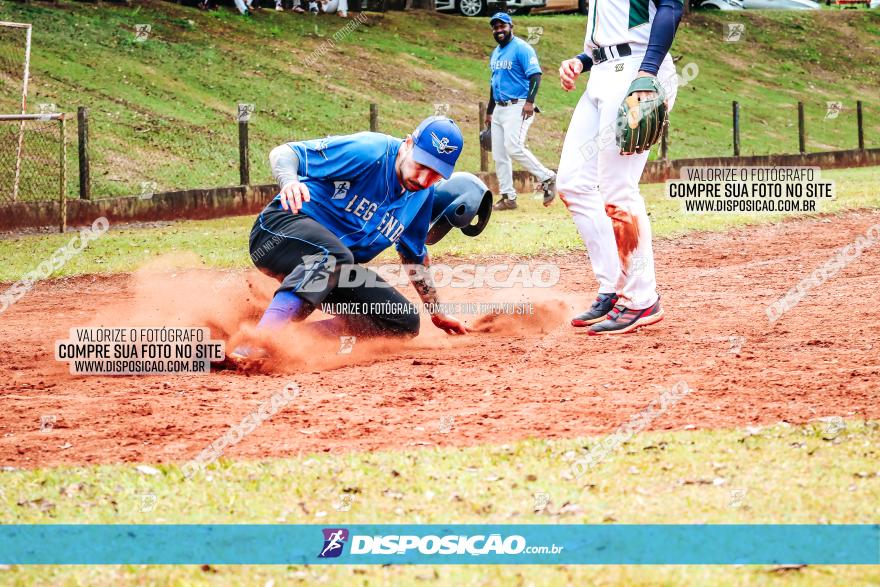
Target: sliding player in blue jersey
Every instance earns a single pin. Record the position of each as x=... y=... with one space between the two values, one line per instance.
x=345 y=199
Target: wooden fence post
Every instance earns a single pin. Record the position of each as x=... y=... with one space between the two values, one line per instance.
x=735 y=128
x=82 y=119
x=802 y=132
x=374 y=118
x=484 y=155
x=244 y=164
x=860 y=122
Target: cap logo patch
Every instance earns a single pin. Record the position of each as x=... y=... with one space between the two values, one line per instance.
x=442 y=145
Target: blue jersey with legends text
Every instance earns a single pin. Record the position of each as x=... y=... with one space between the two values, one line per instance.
x=511 y=66
x=356 y=195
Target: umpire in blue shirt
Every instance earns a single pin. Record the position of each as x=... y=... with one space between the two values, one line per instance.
x=516 y=76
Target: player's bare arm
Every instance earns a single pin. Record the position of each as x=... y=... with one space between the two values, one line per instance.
x=421 y=280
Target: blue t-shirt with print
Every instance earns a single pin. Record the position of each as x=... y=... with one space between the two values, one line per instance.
x=356 y=195
x=511 y=67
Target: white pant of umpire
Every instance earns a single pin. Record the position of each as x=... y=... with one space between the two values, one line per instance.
x=509 y=132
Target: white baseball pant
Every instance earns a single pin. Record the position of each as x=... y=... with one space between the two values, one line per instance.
x=600 y=187
x=335 y=6
x=509 y=132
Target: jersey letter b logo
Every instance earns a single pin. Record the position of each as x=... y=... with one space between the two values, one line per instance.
x=341 y=189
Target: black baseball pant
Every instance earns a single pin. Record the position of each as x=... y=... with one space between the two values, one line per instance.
x=308 y=259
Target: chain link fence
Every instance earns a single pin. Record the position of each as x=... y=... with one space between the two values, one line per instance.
x=134 y=154
x=32 y=153
x=33 y=167
x=14 y=62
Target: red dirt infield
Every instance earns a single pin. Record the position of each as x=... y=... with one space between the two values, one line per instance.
x=518 y=378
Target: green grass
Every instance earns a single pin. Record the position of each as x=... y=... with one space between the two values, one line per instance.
x=163 y=110
x=530 y=230
x=779 y=474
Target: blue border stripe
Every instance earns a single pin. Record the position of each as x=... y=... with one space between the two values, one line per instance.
x=580 y=544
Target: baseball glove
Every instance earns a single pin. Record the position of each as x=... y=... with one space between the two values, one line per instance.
x=640 y=123
x=486 y=139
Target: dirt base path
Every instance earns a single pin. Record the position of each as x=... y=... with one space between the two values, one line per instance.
x=523 y=378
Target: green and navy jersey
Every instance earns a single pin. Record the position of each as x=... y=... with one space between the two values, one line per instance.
x=356 y=195
x=511 y=67
x=612 y=22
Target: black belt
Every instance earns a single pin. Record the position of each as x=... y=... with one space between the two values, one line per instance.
x=507 y=102
x=610 y=52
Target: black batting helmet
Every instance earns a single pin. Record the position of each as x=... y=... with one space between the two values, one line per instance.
x=462 y=201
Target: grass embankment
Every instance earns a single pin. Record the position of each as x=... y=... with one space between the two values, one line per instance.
x=163 y=110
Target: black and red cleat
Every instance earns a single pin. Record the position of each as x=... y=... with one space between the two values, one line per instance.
x=622 y=320
x=604 y=303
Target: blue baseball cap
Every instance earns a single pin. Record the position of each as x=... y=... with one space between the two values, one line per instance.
x=502 y=16
x=437 y=143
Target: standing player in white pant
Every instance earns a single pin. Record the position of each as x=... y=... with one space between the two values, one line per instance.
x=599 y=185
x=340 y=7
x=516 y=76
x=245 y=7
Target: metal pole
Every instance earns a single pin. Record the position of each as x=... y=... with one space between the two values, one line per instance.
x=24 y=88
x=62 y=188
x=27 y=69
x=484 y=155
x=802 y=133
x=735 y=128
x=82 y=119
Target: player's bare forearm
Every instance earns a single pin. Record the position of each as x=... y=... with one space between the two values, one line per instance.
x=421 y=279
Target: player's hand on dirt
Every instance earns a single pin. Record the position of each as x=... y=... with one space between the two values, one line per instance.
x=528 y=110
x=449 y=324
x=569 y=72
x=293 y=195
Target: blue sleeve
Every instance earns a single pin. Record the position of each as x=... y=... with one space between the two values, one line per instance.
x=663 y=28
x=529 y=60
x=341 y=157
x=412 y=242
